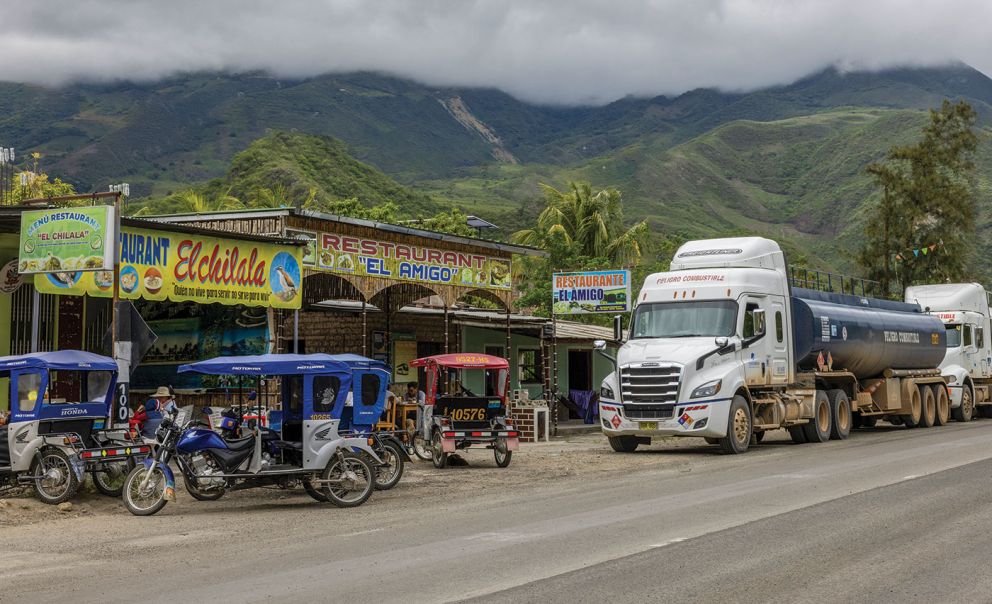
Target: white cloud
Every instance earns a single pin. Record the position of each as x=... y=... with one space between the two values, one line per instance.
x=559 y=51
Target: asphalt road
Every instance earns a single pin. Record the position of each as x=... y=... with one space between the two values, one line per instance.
x=884 y=516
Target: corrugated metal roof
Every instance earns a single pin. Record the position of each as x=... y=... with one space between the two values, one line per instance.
x=382 y=226
x=570 y=330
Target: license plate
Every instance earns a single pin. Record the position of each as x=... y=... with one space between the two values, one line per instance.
x=648 y=425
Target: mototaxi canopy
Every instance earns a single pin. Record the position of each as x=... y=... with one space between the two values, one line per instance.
x=463 y=360
x=70 y=360
x=268 y=364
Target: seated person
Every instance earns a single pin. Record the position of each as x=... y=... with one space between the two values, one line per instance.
x=160 y=403
x=414 y=394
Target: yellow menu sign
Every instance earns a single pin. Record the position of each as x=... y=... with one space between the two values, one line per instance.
x=161 y=265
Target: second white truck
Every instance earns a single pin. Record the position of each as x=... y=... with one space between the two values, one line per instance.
x=967 y=365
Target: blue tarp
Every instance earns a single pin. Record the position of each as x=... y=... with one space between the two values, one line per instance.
x=269 y=364
x=60 y=359
x=357 y=361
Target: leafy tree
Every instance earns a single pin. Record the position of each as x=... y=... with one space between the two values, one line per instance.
x=453 y=221
x=386 y=212
x=37 y=186
x=927 y=203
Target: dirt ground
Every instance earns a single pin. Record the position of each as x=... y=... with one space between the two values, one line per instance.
x=574 y=458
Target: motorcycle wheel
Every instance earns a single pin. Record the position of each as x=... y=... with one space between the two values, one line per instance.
x=314 y=491
x=197 y=494
x=150 y=499
x=56 y=480
x=389 y=475
x=110 y=479
x=352 y=480
x=421 y=448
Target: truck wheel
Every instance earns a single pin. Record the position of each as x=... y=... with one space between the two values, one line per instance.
x=739 y=429
x=943 y=404
x=818 y=429
x=984 y=411
x=965 y=411
x=928 y=412
x=912 y=419
x=840 y=414
x=623 y=444
x=798 y=434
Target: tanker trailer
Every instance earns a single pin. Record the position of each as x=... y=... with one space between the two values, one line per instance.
x=722 y=347
x=882 y=356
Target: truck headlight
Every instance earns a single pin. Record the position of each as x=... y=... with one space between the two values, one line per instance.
x=707 y=389
x=607 y=392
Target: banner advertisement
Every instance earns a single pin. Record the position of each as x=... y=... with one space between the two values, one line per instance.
x=376 y=258
x=591 y=292
x=67 y=239
x=159 y=265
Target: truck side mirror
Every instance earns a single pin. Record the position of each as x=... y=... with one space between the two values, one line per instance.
x=759 y=322
x=618 y=328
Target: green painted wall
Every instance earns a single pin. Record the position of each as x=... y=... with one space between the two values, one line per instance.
x=475 y=339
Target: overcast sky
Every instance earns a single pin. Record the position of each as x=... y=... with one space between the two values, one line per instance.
x=558 y=51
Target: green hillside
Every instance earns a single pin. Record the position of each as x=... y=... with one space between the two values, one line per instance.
x=786 y=162
x=294 y=165
x=800 y=180
x=161 y=136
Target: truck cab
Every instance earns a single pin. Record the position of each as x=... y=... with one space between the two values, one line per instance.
x=964 y=310
x=702 y=335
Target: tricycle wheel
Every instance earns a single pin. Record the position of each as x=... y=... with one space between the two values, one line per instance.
x=313 y=491
x=201 y=495
x=109 y=479
x=438 y=456
x=55 y=480
x=145 y=497
x=501 y=453
x=349 y=480
x=389 y=474
x=421 y=448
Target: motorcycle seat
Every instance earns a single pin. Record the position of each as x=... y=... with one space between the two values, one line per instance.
x=240 y=444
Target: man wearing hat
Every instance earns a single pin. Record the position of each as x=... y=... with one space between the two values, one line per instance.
x=162 y=401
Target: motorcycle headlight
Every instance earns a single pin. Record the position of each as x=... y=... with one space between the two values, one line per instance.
x=607 y=392
x=707 y=389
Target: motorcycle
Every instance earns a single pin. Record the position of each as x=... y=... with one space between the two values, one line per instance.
x=211 y=466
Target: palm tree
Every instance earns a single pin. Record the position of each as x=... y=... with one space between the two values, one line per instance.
x=591 y=224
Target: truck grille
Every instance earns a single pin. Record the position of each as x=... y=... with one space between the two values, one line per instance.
x=636 y=412
x=650 y=383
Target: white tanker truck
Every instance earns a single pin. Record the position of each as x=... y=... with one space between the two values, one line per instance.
x=722 y=347
x=967 y=365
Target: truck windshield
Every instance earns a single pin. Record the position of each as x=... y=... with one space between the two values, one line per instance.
x=685 y=319
x=953 y=336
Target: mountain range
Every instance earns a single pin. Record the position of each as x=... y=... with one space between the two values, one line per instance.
x=786 y=162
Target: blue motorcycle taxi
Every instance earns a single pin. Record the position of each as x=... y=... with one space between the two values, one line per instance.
x=59 y=426
x=306 y=450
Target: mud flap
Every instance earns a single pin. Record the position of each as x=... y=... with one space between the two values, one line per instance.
x=170 y=479
x=512 y=444
x=78 y=466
